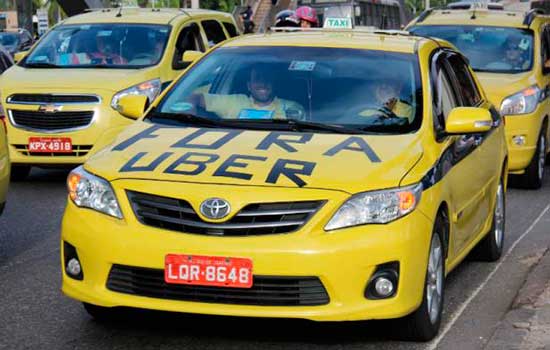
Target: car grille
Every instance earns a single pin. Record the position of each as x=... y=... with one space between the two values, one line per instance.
x=51 y=121
x=266 y=290
x=78 y=151
x=48 y=98
x=254 y=219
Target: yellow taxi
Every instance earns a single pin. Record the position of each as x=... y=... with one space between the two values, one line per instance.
x=510 y=53
x=289 y=175
x=62 y=97
x=5 y=165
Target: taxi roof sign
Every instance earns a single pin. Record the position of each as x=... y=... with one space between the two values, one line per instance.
x=338 y=23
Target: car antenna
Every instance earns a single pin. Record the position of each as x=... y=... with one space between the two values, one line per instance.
x=119 y=14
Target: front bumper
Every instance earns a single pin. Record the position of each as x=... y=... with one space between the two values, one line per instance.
x=105 y=126
x=343 y=260
x=529 y=126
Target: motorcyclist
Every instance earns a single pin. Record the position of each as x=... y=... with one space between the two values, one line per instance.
x=307 y=16
x=286 y=18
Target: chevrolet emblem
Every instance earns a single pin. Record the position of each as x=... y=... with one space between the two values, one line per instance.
x=49 y=108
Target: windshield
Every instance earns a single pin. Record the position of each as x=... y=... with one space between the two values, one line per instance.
x=354 y=89
x=9 y=39
x=105 y=45
x=489 y=49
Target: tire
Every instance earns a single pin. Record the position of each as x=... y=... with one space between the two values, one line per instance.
x=424 y=323
x=534 y=173
x=19 y=172
x=100 y=313
x=490 y=248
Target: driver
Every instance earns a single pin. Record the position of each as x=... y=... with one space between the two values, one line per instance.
x=106 y=50
x=386 y=94
x=515 y=48
x=260 y=104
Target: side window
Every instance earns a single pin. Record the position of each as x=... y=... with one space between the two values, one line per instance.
x=188 y=39
x=214 y=32
x=466 y=84
x=448 y=98
x=230 y=28
x=3 y=63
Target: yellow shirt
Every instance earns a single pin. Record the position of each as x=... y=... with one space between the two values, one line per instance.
x=400 y=109
x=243 y=106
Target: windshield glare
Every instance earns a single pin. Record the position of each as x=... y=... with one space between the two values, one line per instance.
x=108 y=45
x=9 y=39
x=367 y=90
x=489 y=49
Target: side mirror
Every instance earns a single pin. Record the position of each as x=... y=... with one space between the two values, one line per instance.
x=132 y=106
x=190 y=56
x=19 y=56
x=468 y=120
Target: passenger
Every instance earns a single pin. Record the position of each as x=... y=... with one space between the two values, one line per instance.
x=106 y=48
x=307 y=16
x=260 y=104
x=287 y=18
x=388 y=102
x=515 y=50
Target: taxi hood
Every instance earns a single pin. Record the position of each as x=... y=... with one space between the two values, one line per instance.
x=81 y=78
x=350 y=163
x=498 y=86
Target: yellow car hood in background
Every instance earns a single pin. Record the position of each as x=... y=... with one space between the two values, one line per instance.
x=351 y=163
x=498 y=86
x=81 y=79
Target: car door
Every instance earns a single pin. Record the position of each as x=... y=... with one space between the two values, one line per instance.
x=484 y=148
x=461 y=177
x=545 y=70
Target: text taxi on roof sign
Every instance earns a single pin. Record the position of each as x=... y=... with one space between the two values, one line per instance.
x=288 y=175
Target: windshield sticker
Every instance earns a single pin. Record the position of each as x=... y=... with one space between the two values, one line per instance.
x=181 y=107
x=85 y=27
x=303 y=66
x=524 y=44
x=255 y=114
x=104 y=33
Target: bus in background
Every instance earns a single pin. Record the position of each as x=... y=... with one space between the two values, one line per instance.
x=383 y=14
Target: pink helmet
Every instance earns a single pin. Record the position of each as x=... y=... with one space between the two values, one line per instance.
x=307 y=13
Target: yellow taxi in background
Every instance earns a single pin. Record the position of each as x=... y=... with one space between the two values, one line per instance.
x=510 y=53
x=62 y=97
x=288 y=175
x=4 y=153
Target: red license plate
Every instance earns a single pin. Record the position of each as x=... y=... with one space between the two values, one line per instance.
x=208 y=271
x=50 y=145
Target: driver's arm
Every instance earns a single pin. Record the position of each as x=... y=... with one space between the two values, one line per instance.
x=225 y=106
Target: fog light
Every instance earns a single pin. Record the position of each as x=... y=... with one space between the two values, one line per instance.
x=519 y=140
x=383 y=286
x=73 y=267
x=384 y=281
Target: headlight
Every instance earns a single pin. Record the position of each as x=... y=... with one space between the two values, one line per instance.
x=149 y=88
x=523 y=102
x=378 y=207
x=89 y=191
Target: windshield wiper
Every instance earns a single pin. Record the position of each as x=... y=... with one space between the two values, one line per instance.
x=300 y=125
x=188 y=118
x=41 y=65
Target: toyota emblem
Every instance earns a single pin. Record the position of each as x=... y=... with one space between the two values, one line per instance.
x=215 y=208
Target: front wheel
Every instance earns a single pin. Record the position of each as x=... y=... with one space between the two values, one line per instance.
x=534 y=173
x=490 y=247
x=424 y=323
